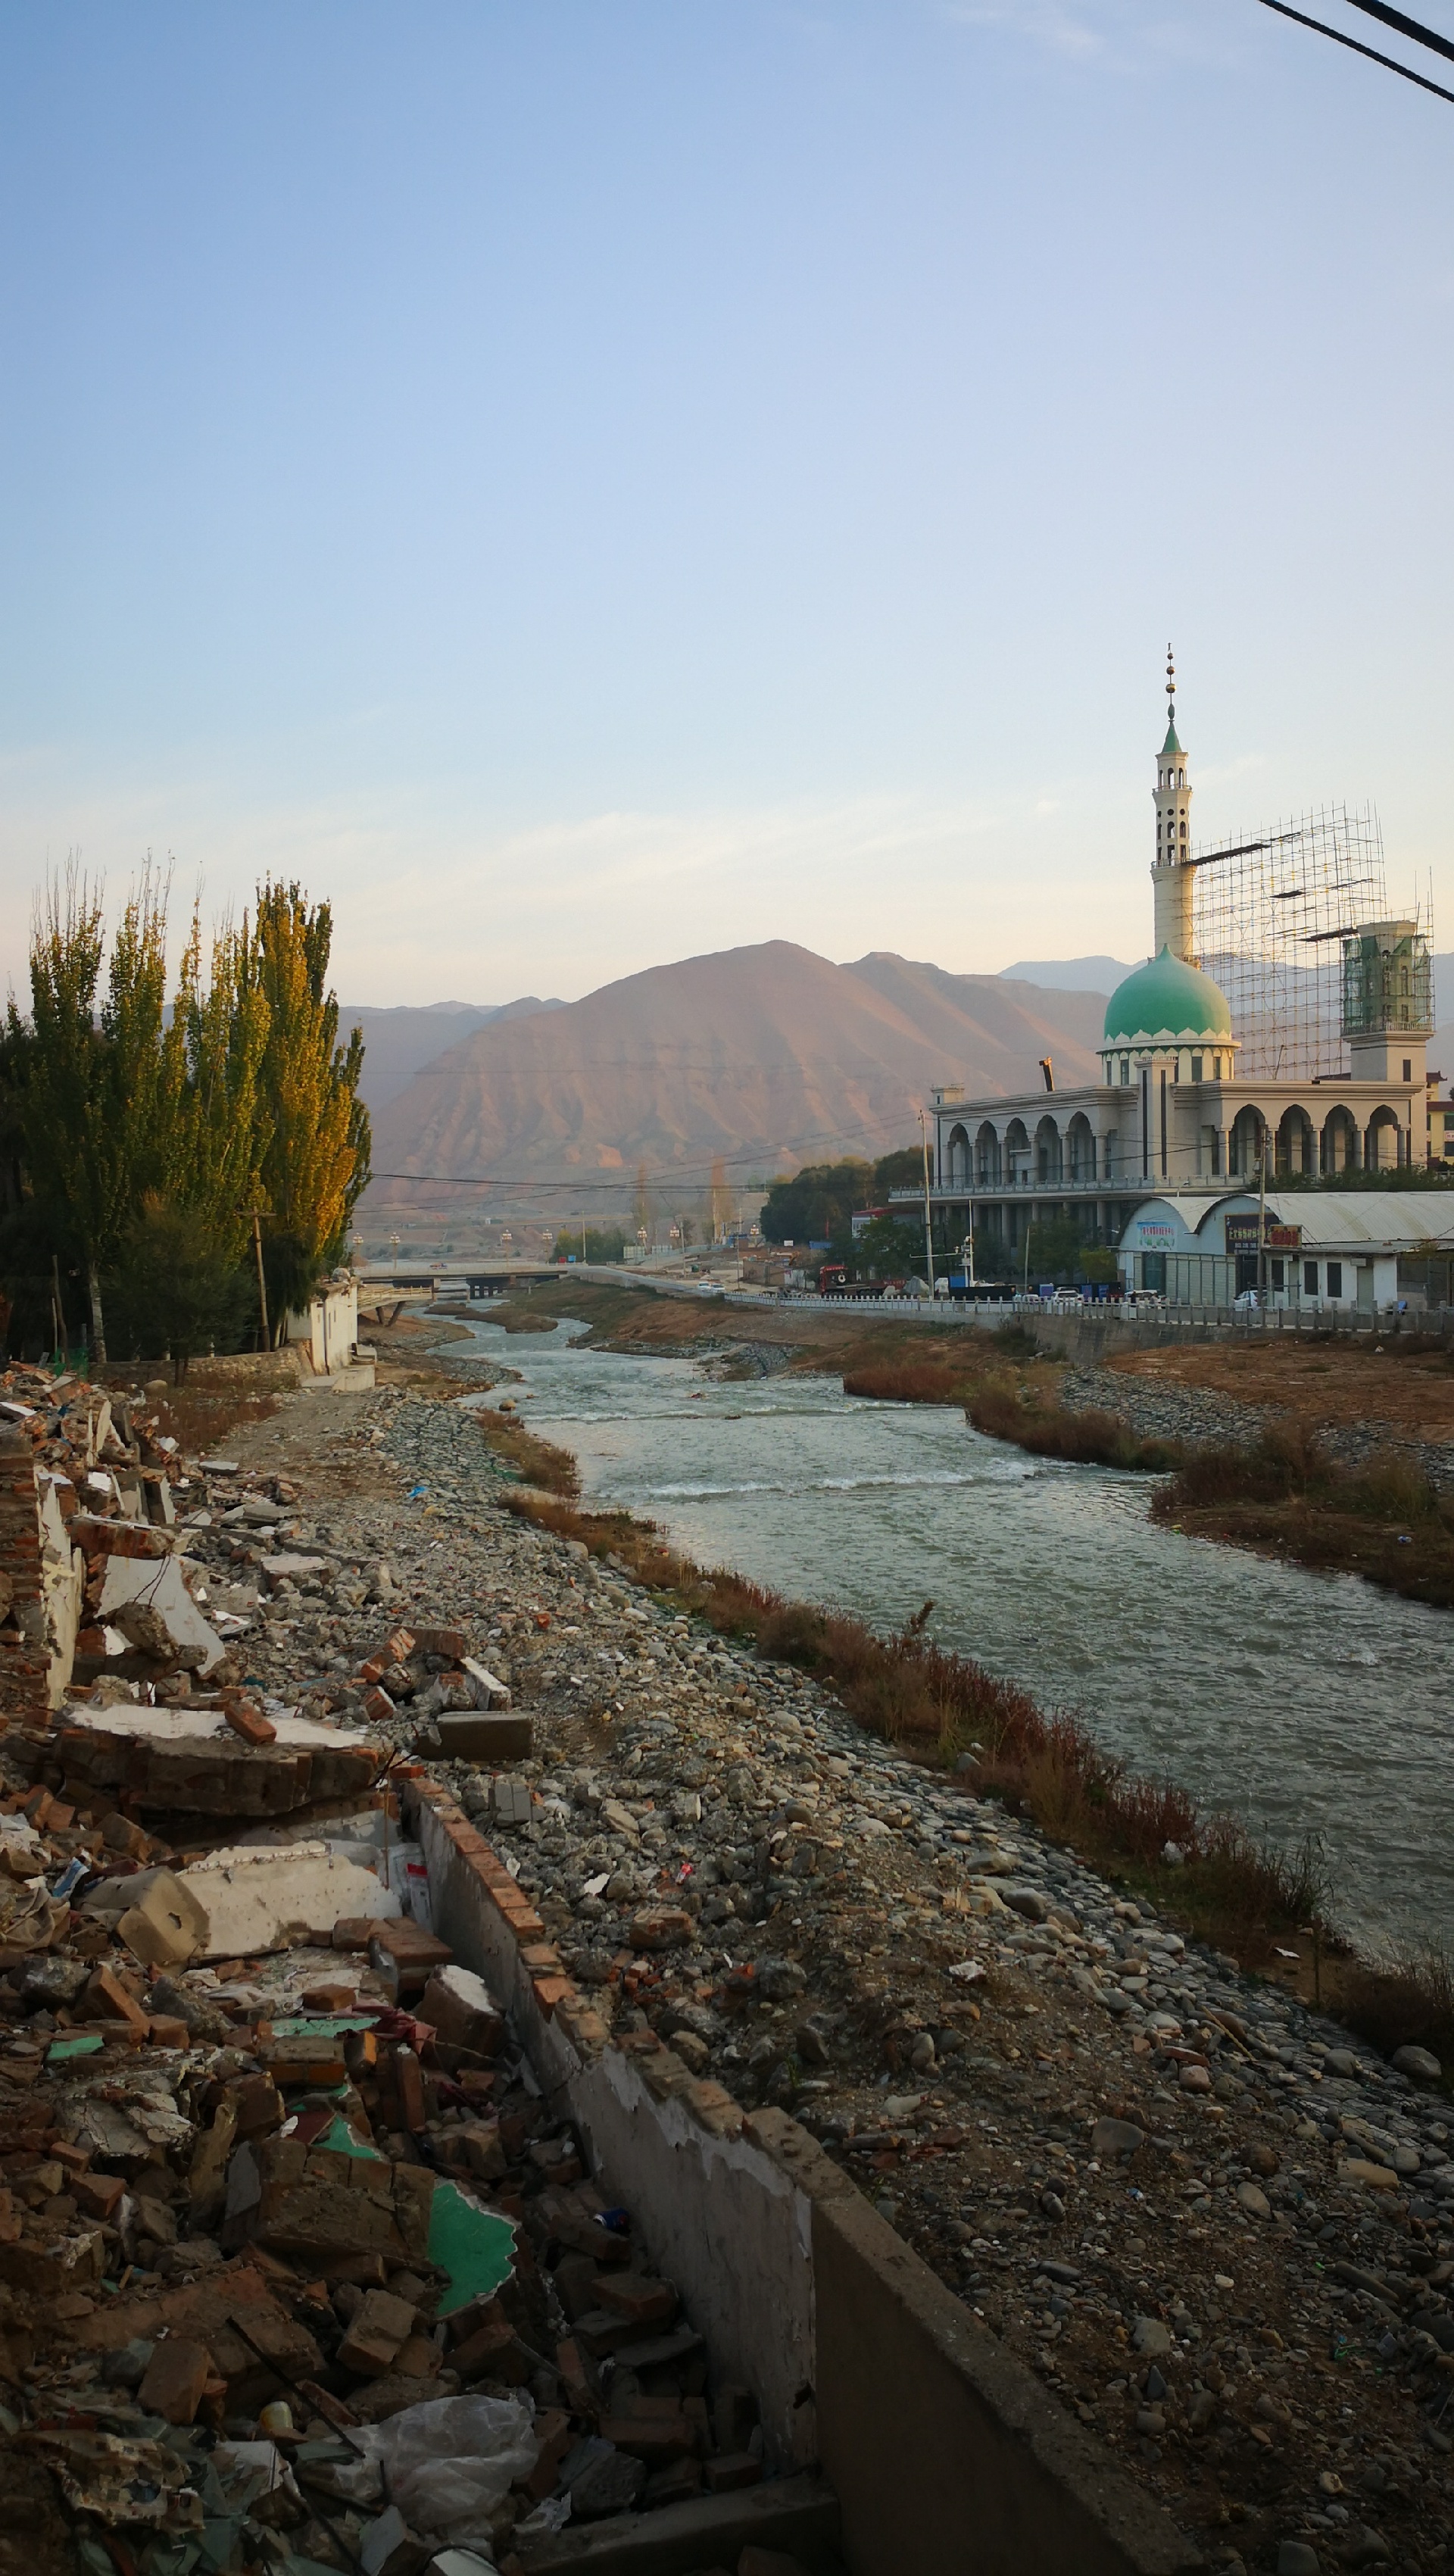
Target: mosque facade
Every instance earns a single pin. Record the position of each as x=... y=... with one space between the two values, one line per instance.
x=1171 y=1115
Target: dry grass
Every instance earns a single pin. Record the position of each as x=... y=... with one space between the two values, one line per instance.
x=1283 y=1496
x=1408 y=2000
x=941 y=1707
x=205 y=1411
x=1089 y=1439
x=935 y=1381
x=538 y=1462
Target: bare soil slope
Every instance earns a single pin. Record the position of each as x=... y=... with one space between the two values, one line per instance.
x=766 y=1052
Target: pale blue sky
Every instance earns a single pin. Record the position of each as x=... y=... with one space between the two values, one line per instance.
x=582 y=484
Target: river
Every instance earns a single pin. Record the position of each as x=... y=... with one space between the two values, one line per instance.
x=1304 y=1703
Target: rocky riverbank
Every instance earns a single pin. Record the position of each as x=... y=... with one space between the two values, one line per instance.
x=1159 y=1408
x=1218 y=2229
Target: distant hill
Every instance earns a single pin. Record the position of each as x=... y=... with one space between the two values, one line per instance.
x=1070 y=974
x=766 y=1056
x=398 y=1041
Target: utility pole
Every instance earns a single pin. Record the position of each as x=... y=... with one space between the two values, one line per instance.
x=58 y=1311
x=583 y=1234
x=262 y=1285
x=1262 y=1215
x=928 y=1212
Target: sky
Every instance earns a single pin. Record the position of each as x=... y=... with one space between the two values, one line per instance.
x=584 y=485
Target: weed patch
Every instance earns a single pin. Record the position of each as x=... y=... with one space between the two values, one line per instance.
x=1089 y=1439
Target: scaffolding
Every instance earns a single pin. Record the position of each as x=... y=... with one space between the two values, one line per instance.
x=1271 y=912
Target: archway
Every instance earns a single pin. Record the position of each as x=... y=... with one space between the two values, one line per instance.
x=1049 y=1158
x=1017 y=1153
x=987 y=1157
x=1244 y=1142
x=956 y=1159
x=1080 y=1148
x=1339 y=1147
x=1383 y=1141
x=1296 y=1147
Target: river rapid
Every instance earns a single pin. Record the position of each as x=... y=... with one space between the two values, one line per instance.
x=1304 y=1703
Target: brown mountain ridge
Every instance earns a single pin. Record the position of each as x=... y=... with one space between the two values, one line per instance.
x=767 y=1056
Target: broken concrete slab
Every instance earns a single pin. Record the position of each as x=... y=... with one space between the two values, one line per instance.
x=462 y=2011
x=159 y=1586
x=253 y=1899
x=493 y=1693
x=798 y=2514
x=168 y=1923
x=483 y=1735
x=189 y=1760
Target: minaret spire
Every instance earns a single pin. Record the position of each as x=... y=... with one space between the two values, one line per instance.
x=1171 y=869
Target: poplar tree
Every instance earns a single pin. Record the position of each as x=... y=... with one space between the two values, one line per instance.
x=315 y=1164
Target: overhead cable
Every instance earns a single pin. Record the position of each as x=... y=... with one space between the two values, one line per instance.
x=1369 y=52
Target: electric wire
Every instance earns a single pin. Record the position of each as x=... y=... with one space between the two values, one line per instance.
x=1410 y=27
x=1370 y=52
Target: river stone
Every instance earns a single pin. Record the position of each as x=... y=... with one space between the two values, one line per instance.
x=1361 y=2169
x=1149 y=2335
x=1116 y=2138
x=1253 y=2200
x=1296 y=2558
x=1029 y=1901
x=1418 y=2064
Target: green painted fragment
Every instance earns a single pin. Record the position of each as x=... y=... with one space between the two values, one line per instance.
x=470 y=2244
x=475 y=2247
x=344 y=2141
x=86 y=2046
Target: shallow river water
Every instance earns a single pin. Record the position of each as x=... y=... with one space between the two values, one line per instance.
x=1304 y=1703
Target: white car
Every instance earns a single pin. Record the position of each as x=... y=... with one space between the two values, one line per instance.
x=1249 y=1299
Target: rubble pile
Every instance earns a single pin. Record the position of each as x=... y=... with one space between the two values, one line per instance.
x=252 y=2109
x=1214 y=2225
x=299 y=2269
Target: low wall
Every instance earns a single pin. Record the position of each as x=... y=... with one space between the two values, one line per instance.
x=942 y=2449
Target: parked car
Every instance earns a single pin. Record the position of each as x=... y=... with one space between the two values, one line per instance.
x=1248 y=1300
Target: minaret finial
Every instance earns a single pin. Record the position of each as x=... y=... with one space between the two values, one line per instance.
x=1171 y=679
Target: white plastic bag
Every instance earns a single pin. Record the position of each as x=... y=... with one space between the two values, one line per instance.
x=448 y=2463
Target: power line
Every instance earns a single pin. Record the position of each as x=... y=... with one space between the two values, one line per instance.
x=1409 y=27
x=1369 y=52
x=625 y=1176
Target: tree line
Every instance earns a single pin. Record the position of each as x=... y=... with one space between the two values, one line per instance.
x=174 y=1174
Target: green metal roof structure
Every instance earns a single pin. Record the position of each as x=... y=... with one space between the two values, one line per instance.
x=1164 y=1000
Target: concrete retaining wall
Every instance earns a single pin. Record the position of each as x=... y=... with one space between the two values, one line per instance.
x=944 y=2452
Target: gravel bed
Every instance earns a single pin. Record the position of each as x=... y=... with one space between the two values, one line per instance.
x=1221 y=2232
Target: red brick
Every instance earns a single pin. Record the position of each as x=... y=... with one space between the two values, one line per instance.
x=96 y=2194
x=645 y=2302
x=108 y=1999
x=176 y=2376
x=735 y=2469
x=249 y=1722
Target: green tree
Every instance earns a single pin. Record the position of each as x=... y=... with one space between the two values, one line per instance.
x=314 y=1165
x=217 y=1129
x=603 y=1243
x=901 y=1170
x=74 y=1143
x=178 y=1287
x=890 y=1248
x=817 y=1203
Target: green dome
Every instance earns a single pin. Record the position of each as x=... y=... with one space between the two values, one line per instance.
x=1167 y=999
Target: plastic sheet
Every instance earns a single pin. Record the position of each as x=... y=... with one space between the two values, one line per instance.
x=448 y=2463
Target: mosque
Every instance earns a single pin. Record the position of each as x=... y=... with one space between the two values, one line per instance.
x=1171 y=1114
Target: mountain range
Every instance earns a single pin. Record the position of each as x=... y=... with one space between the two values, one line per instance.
x=762 y=1057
